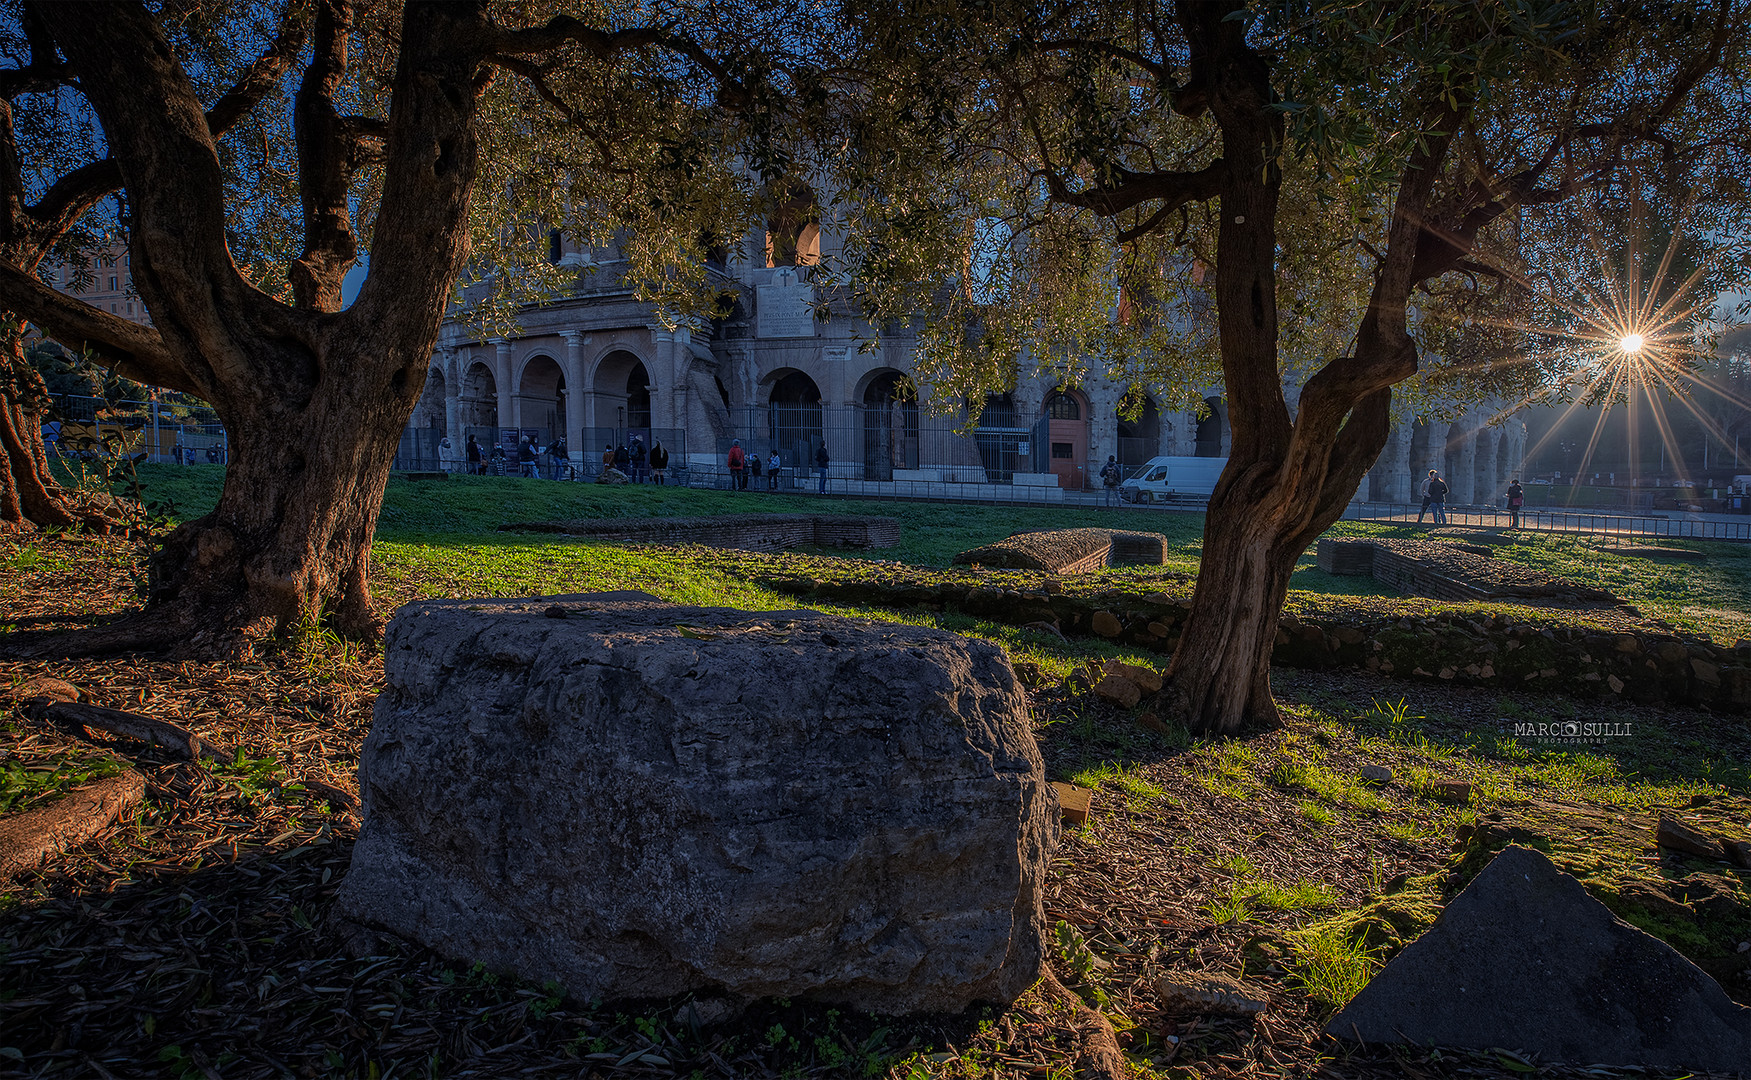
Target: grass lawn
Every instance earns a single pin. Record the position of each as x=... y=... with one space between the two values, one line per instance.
x=440 y=538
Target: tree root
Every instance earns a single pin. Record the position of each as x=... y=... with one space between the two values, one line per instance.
x=180 y=741
x=1098 y=1056
x=30 y=838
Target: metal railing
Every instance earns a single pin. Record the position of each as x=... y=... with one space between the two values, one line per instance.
x=1546 y=519
x=182 y=432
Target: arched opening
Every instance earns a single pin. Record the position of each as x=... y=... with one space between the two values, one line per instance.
x=890 y=425
x=793 y=417
x=540 y=404
x=419 y=449
x=479 y=403
x=1003 y=440
x=1139 y=439
x=1454 y=467
x=793 y=234
x=1213 y=429
x=621 y=396
x=1066 y=437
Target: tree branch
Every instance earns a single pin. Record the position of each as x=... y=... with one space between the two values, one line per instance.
x=325 y=152
x=603 y=44
x=138 y=351
x=73 y=195
x=265 y=72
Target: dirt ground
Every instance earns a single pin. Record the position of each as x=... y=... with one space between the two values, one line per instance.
x=191 y=939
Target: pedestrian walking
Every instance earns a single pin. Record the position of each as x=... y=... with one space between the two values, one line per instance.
x=1109 y=479
x=1423 y=490
x=560 y=454
x=638 y=460
x=755 y=467
x=774 y=465
x=821 y=463
x=737 y=460
x=1438 y=498
x=623 y=460
x=527 y=456
x=659 y=461
x=471 y=456
x=1516 y=499
x=446 y=455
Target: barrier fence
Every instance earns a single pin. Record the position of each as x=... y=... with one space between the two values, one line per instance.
x=180 y=432
x=1546 y=519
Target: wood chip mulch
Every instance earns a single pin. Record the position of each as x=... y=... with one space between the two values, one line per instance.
x=192 y=939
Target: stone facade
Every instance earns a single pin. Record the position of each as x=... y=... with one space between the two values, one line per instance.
x=595 y=366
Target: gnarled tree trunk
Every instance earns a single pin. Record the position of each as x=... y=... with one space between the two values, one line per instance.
x=313 y=398
x=1262 y=516
x=290 y=540
x=30 y=497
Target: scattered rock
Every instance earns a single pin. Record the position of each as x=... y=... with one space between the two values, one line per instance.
x=1738 y=852
x=613 y=476
x=1150 y=722
x=1210 y=993
x=1676 y=835
x=1074 y=803
x=1377 y=774
x=633 y=812
x=1045 y=627
x=1453 y=791
x=1106 y=624
x=1524 y=958
x=1120 y=691
x=1147 y=679
x=1654 y=901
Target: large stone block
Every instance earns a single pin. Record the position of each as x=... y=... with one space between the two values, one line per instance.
x=1524 y=959
x=638 y=799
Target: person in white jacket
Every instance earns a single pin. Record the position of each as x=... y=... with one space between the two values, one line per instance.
x=448 y=460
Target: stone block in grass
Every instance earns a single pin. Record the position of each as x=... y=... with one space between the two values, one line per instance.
x=637 y=799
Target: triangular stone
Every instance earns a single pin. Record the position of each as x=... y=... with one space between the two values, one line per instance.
x=1524 y=959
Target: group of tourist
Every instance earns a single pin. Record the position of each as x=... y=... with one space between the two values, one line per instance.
x=1434 y=490
x=747 y=468
x=635 y=463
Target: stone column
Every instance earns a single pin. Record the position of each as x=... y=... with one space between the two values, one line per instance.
x=576 y=398
x=1186 y=434
x=675 y=379
x=1464 y=480
x=1103 y=430
x=1400 y=480
x=658 y=370
x=1489 y=439
x=502 y=378
x=449 y=365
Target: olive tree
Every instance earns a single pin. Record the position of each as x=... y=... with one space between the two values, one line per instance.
x=411 y=132
x=1327 y=196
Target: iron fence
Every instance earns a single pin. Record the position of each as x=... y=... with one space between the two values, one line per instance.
x=181 y=432
x=1546 y=519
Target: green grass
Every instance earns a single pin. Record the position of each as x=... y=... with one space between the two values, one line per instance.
x=1330 y=965
x=447 y=529
x=28 y=784
x=1138 y=789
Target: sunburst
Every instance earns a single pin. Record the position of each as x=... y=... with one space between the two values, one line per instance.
x=1624 y=341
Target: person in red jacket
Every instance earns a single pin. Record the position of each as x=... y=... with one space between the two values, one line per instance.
x=738 y=462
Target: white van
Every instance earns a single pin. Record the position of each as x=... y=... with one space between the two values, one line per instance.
x=1173 y=479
